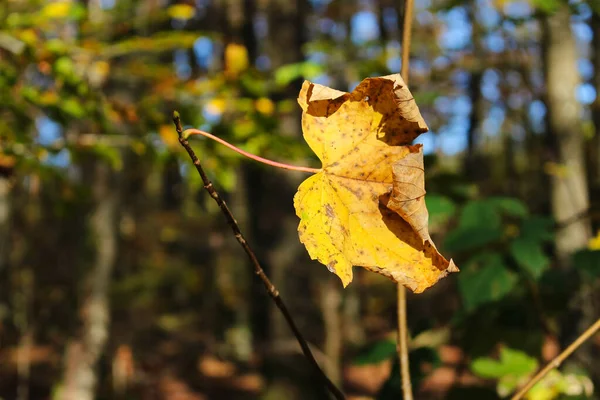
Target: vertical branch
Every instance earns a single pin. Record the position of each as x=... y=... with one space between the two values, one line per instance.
x=402 y=346
x=258 y=270
x=406 y=36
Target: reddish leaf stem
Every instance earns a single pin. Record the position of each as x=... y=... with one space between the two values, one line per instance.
x=254 y=157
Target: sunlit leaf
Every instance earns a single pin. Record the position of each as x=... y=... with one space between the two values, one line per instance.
x=366 y=206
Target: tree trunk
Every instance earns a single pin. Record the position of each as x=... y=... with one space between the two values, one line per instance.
x=594 y=149
x=83 y=354
x=568 y=184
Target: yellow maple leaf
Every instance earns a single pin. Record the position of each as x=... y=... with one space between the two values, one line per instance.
x=365 y=207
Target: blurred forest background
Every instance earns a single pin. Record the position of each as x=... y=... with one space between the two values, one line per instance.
x=119 y=278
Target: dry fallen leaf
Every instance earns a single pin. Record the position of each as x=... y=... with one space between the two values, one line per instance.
x=366 y=206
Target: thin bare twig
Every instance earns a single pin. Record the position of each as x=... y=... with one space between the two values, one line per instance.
x=406 y=37
x=402 y=345
x=273 y=292
x=589 y=332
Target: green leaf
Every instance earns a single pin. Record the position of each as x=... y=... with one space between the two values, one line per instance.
x=64 y=66
x=376 y=352
x=547 y=6
x=529 y=256
x=537 y=228
x=440 y=208
x=485 y=279
x=510 y=206
x=290 y=72
x=72 y=107
x=469 y=238
x=588 y=262
x=511 y=362
x=479 y=213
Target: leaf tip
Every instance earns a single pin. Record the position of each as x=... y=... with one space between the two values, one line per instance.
x=452 y=267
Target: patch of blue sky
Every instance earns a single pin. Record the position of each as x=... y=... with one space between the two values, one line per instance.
x=422 y=5
x=364 y=27
x=323 y=79
x=461 y=105
x=390 y=19
x=458 y=29
x=584 y=11
x=517 y=9
x=495 y=42
x=537 y=114
x=49 y=131
x=582 y=31
x=211 y=116
x=420 y=67
x=536 y=77
x=338 y=32
x=425 y=18
x=326 y=25
x=62 y=159
x=460 y=78
x=428 y=140
x=203 y=51
x=489 y=85
x=585 y=68
x=181 y=61
x=261 y=26
x=509 y=26
x=441 y=62
x=452 y=138
x=320 y=5
x=486 y=14
x=394 y=63
x=443 y=105
x=586 y=93
x=371 y=52
x=493 y=121
x=263 y=62
x=107 y=4
x=319 y=57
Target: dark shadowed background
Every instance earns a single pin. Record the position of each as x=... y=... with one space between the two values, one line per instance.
x=119 y=278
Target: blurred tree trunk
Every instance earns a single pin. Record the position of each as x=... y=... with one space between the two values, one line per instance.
x=83 y=354
x=4 y=219
x=568 y=181
x=594 y=149
x=331 y=299
x=473 y=165
x=283 y=46
x=273 y=221
x=569 y=185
